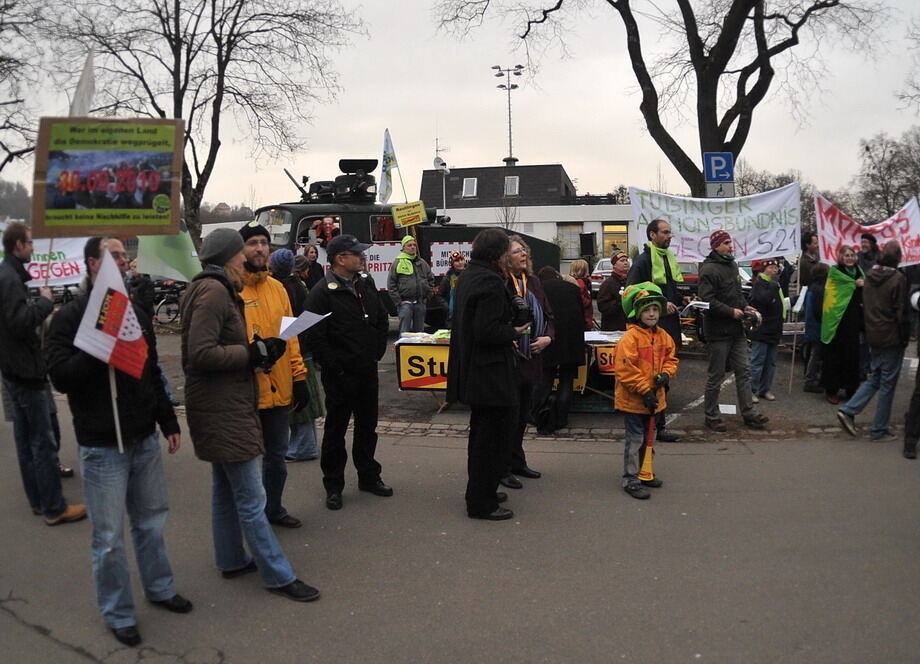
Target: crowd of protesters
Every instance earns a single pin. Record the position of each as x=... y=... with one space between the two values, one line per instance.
x=517 y=342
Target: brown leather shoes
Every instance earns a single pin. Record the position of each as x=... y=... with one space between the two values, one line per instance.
x=72 y=513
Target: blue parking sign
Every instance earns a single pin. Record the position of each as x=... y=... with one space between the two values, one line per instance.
x=718 y=167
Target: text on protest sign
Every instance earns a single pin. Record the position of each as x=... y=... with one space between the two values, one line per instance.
x=440 y=255
x=761 y=225
x=62 y=265
x=836 y=229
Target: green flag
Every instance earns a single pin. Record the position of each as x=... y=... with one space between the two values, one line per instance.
x=170 y=256
x=837 y=293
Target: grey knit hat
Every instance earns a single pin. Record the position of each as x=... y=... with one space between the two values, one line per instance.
x=220 y=246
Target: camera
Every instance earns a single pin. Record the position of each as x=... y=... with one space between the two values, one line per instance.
x=521 y=313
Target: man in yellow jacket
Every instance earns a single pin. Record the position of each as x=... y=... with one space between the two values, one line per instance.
x=644 y=363
x=283 y=388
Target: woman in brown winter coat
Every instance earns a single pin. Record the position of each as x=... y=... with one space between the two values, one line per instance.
x=221 y=403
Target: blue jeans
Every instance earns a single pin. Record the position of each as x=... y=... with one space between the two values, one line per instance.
x=275 y=435
x=303 y=441
x=411 y=317
x=763 y=366
x=36 y=448
x=114 y=484
x=884 y=369
x=634 y=449
x=238 y=512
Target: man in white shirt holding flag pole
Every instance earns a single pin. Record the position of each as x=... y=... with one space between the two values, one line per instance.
x=101 y=353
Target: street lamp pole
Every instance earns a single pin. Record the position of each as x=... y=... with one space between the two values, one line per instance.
x=508 y=86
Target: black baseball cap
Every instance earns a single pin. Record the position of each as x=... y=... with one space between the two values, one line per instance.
x=342 y=243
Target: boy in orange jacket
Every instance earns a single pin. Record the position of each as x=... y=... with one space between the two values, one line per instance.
x=644 y=363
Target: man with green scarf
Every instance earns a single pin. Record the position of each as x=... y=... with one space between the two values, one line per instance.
x=657 y=264
x=409 y=285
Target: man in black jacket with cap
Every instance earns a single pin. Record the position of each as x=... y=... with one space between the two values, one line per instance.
x=347 y=345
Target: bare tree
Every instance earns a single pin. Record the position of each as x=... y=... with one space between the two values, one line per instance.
x=263 y=63
x=749 y=180
x=507 y=214
x=911 y=92
x=718 y=57
x=19 y=62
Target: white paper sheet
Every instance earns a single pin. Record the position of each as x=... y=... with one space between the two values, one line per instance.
x=291 y=327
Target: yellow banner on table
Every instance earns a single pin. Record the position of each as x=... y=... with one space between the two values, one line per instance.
x=603 y=356
x=422 y=366
x=409 y=214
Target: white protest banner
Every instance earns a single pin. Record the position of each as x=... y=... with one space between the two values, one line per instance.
x=837 y=229
x=379 y=258
x=761 y=225
x=440 y=255
x=66 y=266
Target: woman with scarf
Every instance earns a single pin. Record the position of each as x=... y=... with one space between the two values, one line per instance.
x=608 y=295
x=841 y=323
x=308 y=267
x=409 y=284
x=767 y=298
x=448 y=286
x=302 y=445
x=221 y=396
x=578 y=270
x=527 y=292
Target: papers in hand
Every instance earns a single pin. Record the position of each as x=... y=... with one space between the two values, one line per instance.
x=291 y=327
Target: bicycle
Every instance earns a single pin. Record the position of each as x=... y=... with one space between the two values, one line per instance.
x=166 y=307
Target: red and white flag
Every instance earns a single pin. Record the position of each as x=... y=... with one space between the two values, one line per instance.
x=109 y=330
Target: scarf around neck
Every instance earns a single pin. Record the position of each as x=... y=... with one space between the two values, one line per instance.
x=405 y=263
x=658 y=257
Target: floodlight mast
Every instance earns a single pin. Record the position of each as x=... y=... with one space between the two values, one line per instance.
x=508 y=72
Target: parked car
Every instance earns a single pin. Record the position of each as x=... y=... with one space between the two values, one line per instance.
x=601 y=271
x=691 y=274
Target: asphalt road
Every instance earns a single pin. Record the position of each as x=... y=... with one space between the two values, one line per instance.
x=798 y=550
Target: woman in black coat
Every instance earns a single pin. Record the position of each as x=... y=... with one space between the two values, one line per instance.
x=481 y=371
x=561 y=358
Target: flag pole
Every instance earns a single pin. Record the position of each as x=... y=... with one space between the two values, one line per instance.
x=112 y=393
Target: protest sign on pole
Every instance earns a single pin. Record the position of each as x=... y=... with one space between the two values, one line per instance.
x=98 y=176
x=837 y=229
x=761 y=225
x=62 y=265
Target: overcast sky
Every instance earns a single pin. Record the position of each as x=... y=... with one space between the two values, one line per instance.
x=580 y=111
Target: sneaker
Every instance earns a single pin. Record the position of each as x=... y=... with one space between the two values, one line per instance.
x=297 y=591
x=655 y=482
x=847 y=422
x=716 y=424
x=832 y=399
x=755 y=398
x=886 y=437
x=637 y=491
x=910 y=449
x=769 y=396
x=756 y=421
x=814 y=389
x=72 y=513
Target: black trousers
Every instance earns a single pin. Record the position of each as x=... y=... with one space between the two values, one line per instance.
x=488 y=452
x=346 y=395
x=516 y=457
x=912 y=419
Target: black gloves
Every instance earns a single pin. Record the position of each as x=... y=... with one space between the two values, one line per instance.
x=263 y=353
x=650 y=401
x=662 y=380
x=301 y=396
